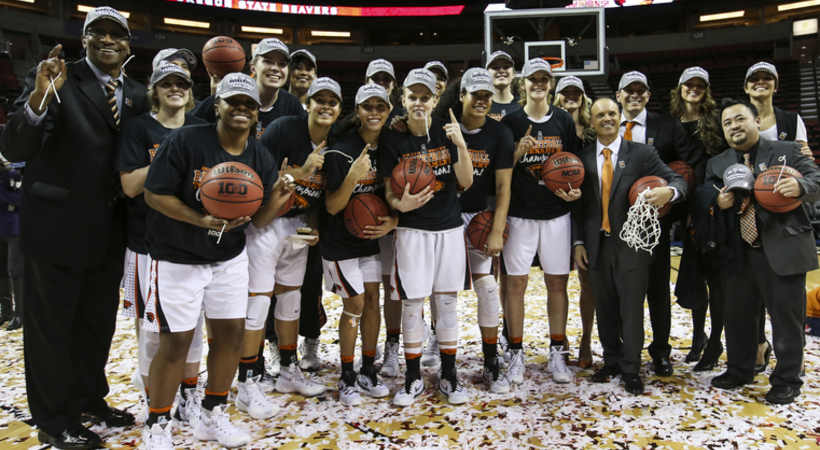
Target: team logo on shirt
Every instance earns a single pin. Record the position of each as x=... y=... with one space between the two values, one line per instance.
x=370 y=182
x=535 y=158
x=152 y=152
x=307 y=188
x=481 y=160
x=198 y=175
x=438 y=158
x=260 y=130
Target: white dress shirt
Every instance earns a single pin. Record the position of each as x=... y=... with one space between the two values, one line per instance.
x=638 y=130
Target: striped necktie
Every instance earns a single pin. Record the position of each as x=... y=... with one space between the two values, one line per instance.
x=748 y=225
x=111 y=89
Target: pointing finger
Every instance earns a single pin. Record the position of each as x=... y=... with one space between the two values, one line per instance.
x=319 y=147
x=453 y=116
x=364 y=152
x=529 y=130
x=55 y=51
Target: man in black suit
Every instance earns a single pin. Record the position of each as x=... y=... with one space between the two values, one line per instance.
x=771 y=253
x=618 y=274
x=672 y=143
x=73 y=227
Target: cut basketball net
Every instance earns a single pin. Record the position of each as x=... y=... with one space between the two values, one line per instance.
x=642 y=230
x=51 y=86
x=782 y=168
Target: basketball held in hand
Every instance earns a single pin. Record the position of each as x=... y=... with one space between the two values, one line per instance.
x=414 y=171
x=223 y=55
x=478 y=231
x=231 y=190
x=363 y=210
x=563 y=170
x=645 y=183
x=766 y=195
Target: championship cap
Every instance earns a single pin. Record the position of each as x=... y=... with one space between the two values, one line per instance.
x=268 y=45
x=238 y=84
x=738 y=177
x=694 y=72
x=379 y=65
x=566 y=82
x=168 y=69
x=438 y=65
x=423 y=77
x=633 y=77
x=172 y=54
x=324 y=84
x=302 y=53
x=536 y=65
x=369 y=91
x=761 y=67
x=501 y=54
x=477 y=79
x=105 y=12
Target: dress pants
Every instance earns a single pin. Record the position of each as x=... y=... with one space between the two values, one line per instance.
x=658 y=295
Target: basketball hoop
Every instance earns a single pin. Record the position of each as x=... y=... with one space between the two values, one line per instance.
x=554 y=61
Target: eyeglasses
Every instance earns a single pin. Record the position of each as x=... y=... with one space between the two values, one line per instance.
x=100 y=34
x=235 y=103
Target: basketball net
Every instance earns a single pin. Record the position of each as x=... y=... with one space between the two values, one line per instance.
x=642 y=229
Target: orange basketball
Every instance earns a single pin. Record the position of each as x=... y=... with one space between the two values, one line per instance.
x=563 y=170
x=478 y=231
x=223 y=55
x=684 y=170
x=363 y=210
x=230 y=190
x=645 y=183
x=414 y=171
x=767 y=197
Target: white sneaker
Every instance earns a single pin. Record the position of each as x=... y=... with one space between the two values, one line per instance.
x=252 y=400
x=496 y=380
x=504 y=347
x=431 y=357
x=406 y=395
x=373 y=385
x=272 y=360
x=291 y=379
x=267 y=382
x=390 y=366
x=454 y=391
x=217 y=426
x=558 y=366
x=158 y=437
x=349 y=394
x=515 y=368
x=310 y=355
x=188 y=408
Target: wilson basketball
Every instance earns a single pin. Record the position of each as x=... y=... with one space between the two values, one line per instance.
x=563 y=170
x=414 y=171
x=287 y=205
x=645 y=183
x=363 y=210
x=230 y=190
x=684 y=170
x=478 y=231
x=223 y=55
x=767 y=197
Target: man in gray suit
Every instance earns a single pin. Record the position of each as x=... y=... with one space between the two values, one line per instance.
x=770 y=255
x=618 y=274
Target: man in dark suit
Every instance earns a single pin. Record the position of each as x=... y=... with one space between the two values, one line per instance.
x=672 y=143
x=618 y=274
x=771 y=254
x=73 y=227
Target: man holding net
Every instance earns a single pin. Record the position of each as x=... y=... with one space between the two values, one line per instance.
x=618 y=273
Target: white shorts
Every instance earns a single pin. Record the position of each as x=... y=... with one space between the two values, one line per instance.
x=550 y=238
x=386 y=254
x=179 y=292
x=425 y=262
x=347 y=278
x=272 y=258
x=134 y=284
x=480 y=263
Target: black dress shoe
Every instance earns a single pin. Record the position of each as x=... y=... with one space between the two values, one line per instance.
x=711 y=356
x=662 y=367
x=110 y=416
x=604 y=373
x=77 y=438
x=782 y=395
x=698 y=343
x=727 y=380
x=760 y=368
x=633 y=383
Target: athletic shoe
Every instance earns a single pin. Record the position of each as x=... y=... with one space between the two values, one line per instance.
x=496 y=380
x=252 y=400
x=504 y=347
x=188 y=408
x=267 y=382
x=557 y=365
x=291 y=379
x=310 y=355
x=406 y=395
x=374 y=386
x=349 y=394
x=158 y=437
x=272 y=360
x=515 y=368
x=449 y=386
x=390 y=366
x=431 y=357
x=217 y=426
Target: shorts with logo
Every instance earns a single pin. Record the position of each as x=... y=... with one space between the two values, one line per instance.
x=134 y=284
x=347 y=278
x=272 y=258
x=480 y=263
x=425 y=262
x=551 y=239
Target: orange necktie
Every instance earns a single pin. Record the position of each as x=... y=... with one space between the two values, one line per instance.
x=628 y=133
x=606 y=187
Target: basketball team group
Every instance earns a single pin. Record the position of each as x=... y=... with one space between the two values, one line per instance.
x=427 y=189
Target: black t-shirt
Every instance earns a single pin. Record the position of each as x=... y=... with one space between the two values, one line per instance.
x=183 y=158
x=490 y=149
x=442 y=212
x=530 y=198
x=137 y=145
x=499 y=110
x=288 y=137
x=338 y=244
x=286 y=105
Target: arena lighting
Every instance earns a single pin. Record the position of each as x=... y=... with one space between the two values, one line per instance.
x=330 y=33
x=186 y=23
x=85 y=9
x=320 y=10
x=262 y=30
x=722 y=16
x=797 y=5
x=26 y=1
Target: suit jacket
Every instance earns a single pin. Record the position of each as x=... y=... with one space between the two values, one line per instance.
x=70 y=185
x=668 y=136
x=788 y=240
x=635 y=161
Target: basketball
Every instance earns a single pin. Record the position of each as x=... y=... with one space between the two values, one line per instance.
x=563 y=170
x=684 y=170
x=230 y=190
x=287 y=205
x=223 y=55
x=478 y=231
x=414 y=171
x=766 y=196
x=363 y=210
x=645 y=183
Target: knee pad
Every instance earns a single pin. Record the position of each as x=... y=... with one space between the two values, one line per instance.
x=257 y=314
x=488 y=303
x=195 y=351
x=411 y=327
x=447 y=320
x=288 y=305
x=148 y=345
